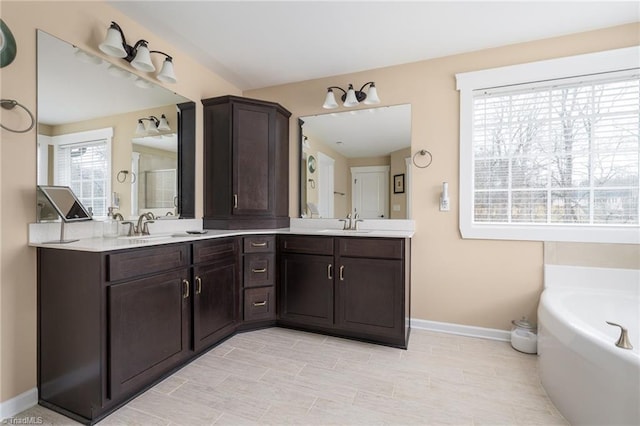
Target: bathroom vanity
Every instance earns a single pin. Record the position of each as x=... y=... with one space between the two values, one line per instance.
x=117 y=317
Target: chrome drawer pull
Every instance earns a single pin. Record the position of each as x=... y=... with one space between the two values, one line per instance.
x=259 y=271
x=259 y=244
x=264 y=302
x=198 y=285
x=235 y=201
x=342 y=273
x=330 y=271
x=185 y=286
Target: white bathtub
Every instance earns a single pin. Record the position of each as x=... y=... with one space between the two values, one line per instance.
x=588 y=378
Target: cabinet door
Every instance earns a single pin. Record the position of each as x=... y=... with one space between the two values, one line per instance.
x=253 y=153
x=148 y=320
x=215 y=303
x=370 y=296
x=306 y=289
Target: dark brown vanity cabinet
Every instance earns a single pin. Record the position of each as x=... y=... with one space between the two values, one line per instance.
x=356 y=287
x=306 y=291
x=259 y=278
x=215 y=291
x=246 y=164
x=110 y=324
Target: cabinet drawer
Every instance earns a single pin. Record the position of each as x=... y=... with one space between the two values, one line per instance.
x=134 y=263
x=260 y=244
x=259 y=270
x=380 y=248
x=259 y=304
x=211 y=250
x=306 y=244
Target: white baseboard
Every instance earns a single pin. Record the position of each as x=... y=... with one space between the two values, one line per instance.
x=18 y=404
x=462 y=330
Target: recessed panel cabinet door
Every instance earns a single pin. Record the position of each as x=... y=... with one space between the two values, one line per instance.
x=148 y=320
x=253 y=177
x=306 y=289
x=370 y=296
x=215 y=303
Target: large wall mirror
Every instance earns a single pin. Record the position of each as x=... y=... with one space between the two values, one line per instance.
x=356 y=162
x=102 y=132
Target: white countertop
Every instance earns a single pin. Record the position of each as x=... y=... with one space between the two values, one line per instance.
x=86 y=242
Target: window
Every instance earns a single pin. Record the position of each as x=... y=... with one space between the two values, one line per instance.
x=83 y=162
x=553 y=159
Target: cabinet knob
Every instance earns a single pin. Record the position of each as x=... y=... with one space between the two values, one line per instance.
x=185 y=289
x=263 y=303
x=341 y=272
x=263 y=244
x=235 y=201
x=259 y=271
x=330 y=271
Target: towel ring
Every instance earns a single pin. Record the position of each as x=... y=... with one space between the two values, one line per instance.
x=123 y=178
x=11 y=104
x=422 y=152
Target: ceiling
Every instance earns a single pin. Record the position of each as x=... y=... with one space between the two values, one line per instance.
x=255 y=44
x=372 y=132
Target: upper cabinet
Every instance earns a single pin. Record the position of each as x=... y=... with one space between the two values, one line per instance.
x=246 y=164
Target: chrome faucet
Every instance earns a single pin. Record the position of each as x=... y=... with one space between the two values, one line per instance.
x=143 y=226
x=351 y=224
x=623 y=341
x=347 y=222
x=118 y=216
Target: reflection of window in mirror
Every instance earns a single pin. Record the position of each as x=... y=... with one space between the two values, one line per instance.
x=156 y=185
x=81 y=161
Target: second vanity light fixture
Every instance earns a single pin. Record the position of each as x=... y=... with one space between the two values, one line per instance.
x=155 y=125
x=352 y=97
x=139 y=55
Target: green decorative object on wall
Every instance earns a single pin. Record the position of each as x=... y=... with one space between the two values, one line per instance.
x=8 y=48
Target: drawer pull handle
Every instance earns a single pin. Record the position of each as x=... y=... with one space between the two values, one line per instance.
x=330 y=271
x=341 y=272
x=263 y=303
x=259 y=271
x=264 y=244
x=198 y=285
x=235 y=201
x=185 y=289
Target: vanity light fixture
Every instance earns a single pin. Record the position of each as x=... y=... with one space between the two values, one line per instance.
x=155 y=125
x=138 y=55
x=352 y=97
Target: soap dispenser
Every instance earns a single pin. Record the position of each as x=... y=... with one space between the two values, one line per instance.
x=110 y=225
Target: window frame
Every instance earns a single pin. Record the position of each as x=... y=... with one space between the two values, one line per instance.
x=527 y=73
x=105 y=134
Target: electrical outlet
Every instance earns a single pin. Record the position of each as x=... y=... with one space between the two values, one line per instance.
x=444 y=204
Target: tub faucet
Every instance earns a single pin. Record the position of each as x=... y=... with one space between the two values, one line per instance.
x=623 y=341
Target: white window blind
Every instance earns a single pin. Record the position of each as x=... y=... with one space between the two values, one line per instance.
x=558 y=152
x=85 y=168
x=550 y=150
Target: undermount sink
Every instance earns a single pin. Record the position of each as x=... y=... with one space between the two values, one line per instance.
x=346 y=231
x=148 y=238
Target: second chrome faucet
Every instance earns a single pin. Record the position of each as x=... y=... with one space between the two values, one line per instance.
x=351 y=223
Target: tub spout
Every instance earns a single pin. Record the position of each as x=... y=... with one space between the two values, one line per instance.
x=623 y=341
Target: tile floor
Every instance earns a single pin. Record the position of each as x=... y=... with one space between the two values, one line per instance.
x=278 y=376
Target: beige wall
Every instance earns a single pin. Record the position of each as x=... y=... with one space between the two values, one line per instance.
x=398 y=166
x=473 y=282
x=483 y=283
x=84 y=24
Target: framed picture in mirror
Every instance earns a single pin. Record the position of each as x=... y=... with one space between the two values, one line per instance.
x=398 y=184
